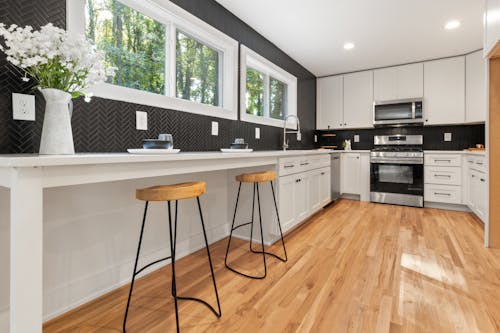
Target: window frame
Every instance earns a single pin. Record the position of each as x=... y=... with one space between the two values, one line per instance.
x=250 y=58
x=174 y=18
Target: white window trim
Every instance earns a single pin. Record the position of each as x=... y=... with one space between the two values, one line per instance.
x=174 y=18
x=254 y=60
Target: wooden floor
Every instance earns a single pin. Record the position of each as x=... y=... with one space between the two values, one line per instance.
x=354 y=267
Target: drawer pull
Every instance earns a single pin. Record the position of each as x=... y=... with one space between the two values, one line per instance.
x=442 y=194
x=447 y=161
x=479 y=163
x=322 y=173
x=483 y=180
x=289 y=166
x=302 y=164
x=445 y=176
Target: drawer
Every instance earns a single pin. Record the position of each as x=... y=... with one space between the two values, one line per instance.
x=318 y=162
x=443 y=193
x=443 y=159
x=476 y=163
x=288 y=166
x=443 y=175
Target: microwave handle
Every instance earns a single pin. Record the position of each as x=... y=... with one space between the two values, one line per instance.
x=413 y=110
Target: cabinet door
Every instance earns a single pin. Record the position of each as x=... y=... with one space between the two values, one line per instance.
x=325 y=191
x=286 y=192
x=314 y=187
x=358 y=100
x=469 y=195
x=444 y=91
x=475 y=85
x=350 y=172
x=330 y=99
x=410 y=81
x=301 y=202
x=480 y=195
x=385 y=83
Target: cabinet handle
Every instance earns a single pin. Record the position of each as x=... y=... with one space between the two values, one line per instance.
x=445 y=176
x=473 y=176
x=470 y=161
x=302 y=164
x=449 y=161
x=345 y=124
x=483 y=180
x=442 y=194
x=322 y=173
x=357 y=157
x=426 y=120
x=479 y=163
x=289 y=166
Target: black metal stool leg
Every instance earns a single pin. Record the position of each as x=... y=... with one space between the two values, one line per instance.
x=232 y=226
x=175 y=238
x=279 y=224
x=261 y=232
x=135 y=266
x=253 y=211
x=172 y=251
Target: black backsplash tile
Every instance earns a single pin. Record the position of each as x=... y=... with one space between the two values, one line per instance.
x=463 y=136
x=109 y=126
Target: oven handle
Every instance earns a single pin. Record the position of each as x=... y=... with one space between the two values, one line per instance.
x=418 y=161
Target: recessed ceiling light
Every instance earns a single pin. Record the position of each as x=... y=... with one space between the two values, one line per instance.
x=452 y=25
x=349 y=46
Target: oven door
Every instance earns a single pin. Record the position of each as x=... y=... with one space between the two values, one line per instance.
x=397 y=179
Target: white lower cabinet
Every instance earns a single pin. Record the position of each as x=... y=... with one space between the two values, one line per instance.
x=443 y=178
x=304 y=192
x=350 y=175
x=476 y=186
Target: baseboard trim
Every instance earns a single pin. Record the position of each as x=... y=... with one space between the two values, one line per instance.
x=446 y=206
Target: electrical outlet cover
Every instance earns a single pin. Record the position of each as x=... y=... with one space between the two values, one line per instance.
x=23 y=107
x=315 y=138
x=257 y=132
x=215 y=128
x=447 y=137
x=356 y=138
x=141 y=120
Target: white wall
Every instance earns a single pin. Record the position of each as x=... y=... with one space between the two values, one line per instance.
x=91 y=233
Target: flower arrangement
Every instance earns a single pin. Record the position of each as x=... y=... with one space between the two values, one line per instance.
x=54 y=58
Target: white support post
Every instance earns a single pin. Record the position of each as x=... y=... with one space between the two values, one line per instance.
x=26 y=247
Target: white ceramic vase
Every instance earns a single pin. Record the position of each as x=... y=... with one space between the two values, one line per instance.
x=57 y=135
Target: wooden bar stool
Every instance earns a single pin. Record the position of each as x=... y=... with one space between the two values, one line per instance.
x=256 y=178
x=168 y=193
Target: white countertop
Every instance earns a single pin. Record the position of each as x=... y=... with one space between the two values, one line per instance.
x=35 y=160
x=480 y=153
x=351 y=151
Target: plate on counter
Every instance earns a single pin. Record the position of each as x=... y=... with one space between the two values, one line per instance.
x=143 y=151
x=230 y=150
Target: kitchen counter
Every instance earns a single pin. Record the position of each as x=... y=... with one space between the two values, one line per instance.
x=351 y=151
x=28 y=177
x=480 y=153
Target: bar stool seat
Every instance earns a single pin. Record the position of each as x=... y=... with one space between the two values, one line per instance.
x=256 y=177
x=169 y=193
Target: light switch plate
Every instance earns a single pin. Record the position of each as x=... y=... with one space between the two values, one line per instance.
x=23 y=107
x=356 y=138
x=215 y=128
x=447 y=137
x=141 y=120
x=257 y=132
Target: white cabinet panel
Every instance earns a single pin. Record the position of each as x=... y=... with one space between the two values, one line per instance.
x=399 y=82
x=301 y=202
x=443 y=193
x=410 y=81
x=314 y=183
x=443 y=175
x=492 y=24
x=446 y=160
x=286 y=201
x=358 y=100
x=330 y=101
x=385 y=82
x=325 y=192
x=444 y=91
x=475 y=85
x=350 y=171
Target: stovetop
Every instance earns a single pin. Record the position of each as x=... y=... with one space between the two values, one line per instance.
x=398 y=149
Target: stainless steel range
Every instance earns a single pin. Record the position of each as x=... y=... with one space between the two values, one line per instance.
x=397 y=170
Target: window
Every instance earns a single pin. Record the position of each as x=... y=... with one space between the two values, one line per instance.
x=163 y=55
x=268 y=93
x=197 y=71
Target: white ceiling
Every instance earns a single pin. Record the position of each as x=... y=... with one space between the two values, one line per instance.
x=386 y=32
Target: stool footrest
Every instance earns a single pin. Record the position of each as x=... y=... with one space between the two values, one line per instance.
x=151 y=264
x=269 y=254
x=241 y=225
x=184 y=298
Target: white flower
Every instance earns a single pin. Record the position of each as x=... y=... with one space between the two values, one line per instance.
x=25 y=79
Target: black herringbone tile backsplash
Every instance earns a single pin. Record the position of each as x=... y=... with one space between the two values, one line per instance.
x=109 y=126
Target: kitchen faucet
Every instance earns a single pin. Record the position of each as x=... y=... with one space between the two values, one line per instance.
x=299 y=135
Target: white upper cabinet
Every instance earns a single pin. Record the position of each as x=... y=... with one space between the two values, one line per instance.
x=492 y=25
x=444 y=91
x=330 y=99
x=358 y=100
x=399 y=82
x=475 y=85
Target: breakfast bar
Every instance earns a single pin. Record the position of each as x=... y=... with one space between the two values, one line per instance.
x=27 y=176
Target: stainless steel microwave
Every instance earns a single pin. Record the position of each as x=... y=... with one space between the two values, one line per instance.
x=398 y=112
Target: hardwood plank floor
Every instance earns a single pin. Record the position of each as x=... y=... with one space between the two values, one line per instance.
x=354 y=267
